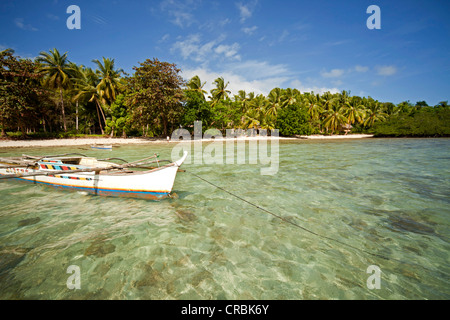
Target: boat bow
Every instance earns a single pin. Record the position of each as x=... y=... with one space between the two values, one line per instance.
x=180 y=162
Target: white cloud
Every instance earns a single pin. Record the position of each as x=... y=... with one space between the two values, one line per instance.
x=52 y=17
x=283 y=35
x=246 y=10
x=180 y=11
x=20 y=24
x=361 y=69
x=335 y=73
x=193 y=48
x=164 y=38
x=237 y=79
x=255 y=76
x=182 y=18
x=259 y=69
x=230 y=51
x=214 y=25
x=386 y=70
x=223 y=22
x=337 y=43
x=187 y=47
x=249 y=30
x=299 y=85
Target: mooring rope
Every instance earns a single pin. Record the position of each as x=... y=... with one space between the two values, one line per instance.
x=312 y=232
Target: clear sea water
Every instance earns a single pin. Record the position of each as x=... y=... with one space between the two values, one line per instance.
x=370 y=202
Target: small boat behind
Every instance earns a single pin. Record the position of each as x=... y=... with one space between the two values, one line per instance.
x=102 y=147
x=147 y=178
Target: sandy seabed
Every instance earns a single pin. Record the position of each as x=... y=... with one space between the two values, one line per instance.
x=121 y=141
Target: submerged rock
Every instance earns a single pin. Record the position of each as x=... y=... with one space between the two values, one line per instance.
x=28 y=222
x=185 y=215
x=10 y=257
x=151 y=277
x=9 y=261
x=100 y=249
x=403 y=223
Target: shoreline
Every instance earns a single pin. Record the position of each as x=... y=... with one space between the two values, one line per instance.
x=348 y=136
x=129 y=141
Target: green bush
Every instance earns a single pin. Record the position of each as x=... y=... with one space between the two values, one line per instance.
x=293 y=120
x=425 y=122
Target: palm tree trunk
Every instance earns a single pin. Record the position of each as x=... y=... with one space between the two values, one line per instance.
x=99 y=119
x=76 y=118
x=62 y=108
x=3 y=129
x=103 y=115
x=164 y=119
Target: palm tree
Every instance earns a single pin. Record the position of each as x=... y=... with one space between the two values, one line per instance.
x=220 y=92
x=196 y=84
x=110 y=80
x=58 y=72
x=390 y=108
x=256 y=115
x=274 y=102
x=334 y=117
x=343 y=97
x=251 y=119
x=77 y=75
x=289 y=97
x=353 y=110
x=327 y=100
x=405 y=107
x=244 y=100
x=87 y=89
x=315 y=109
x=374 y=114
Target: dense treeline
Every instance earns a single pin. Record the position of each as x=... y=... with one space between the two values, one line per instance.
x=52 y=96
x=419 y=122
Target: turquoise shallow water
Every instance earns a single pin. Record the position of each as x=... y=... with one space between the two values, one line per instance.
x=388 y=199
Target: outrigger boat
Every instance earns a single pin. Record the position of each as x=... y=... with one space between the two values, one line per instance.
x=153 y=181
x=102 y=147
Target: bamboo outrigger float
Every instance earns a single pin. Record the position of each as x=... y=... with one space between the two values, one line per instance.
x=99 y=177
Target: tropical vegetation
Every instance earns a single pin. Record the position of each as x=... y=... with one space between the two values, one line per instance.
x=51 y=96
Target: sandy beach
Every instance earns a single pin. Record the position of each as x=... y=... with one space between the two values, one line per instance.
x=71 y=142
x=123 y=141
x=349 y=136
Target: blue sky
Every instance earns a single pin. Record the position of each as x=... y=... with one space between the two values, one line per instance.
x=256 y=45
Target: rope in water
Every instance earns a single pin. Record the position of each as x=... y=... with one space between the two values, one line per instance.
x=312 y=232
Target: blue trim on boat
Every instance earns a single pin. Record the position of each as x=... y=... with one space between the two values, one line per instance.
x=94 y=190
